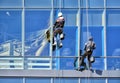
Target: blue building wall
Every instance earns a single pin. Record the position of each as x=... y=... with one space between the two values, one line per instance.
x=23 y=24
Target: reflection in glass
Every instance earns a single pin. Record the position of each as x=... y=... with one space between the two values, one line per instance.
x=10 y=33
x=35 y=27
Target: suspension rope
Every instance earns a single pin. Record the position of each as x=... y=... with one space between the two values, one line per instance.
x=87 y=19
x=60 y=5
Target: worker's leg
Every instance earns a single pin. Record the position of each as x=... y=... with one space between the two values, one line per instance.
x=60 y=30
x=55 y=38
x=89 y=61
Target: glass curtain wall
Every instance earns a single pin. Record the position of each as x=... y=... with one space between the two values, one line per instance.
x=24 y=24
x=23 y=44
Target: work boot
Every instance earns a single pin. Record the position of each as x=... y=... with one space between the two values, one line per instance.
x=60 y=45
x=55 y=43
x=62 y=36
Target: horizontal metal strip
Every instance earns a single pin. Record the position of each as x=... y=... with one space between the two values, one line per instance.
x=14 y=68
x=39 y=64
x=39 y=59
x=14 y=64
x=58 y=73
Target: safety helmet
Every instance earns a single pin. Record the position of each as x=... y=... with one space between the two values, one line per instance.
x=91 y=38
x=59 y=14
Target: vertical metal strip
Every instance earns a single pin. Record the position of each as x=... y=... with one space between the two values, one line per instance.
x=105 y=49
x=51 y=31
x=87 y=19
x=23 y=35
x=51 y=80
x=78 y=80
x=23 y=32
x=24 y=80
x=78 y=37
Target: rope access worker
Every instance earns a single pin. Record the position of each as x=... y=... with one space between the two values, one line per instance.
x=89 y=47
x=58 y=29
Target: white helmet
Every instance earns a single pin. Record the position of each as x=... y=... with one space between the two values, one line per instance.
x=59 y=14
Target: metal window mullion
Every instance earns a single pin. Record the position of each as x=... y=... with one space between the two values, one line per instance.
x=105 y=49
x=78 y=37
x=51 y=31
x=52 y=81
x=23 y=32
x=105 y=42
x=79 y=80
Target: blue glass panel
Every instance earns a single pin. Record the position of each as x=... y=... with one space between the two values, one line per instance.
x=96 y=32
x=94 y=17
x=38 y=3
x=113 y=80
x=65 y=80
x=36 y=23
x=113 y=63
x=70 y=16
x=38 y=80
x=113 y=3
x=112 y=17
x=113 y=43
x=67 y=64
x=69 y=43
x=11 y=80
x=98 y=64
x=92 y=3
x=66 y=4
x=10 y=32
x=68 y=49
x=10 y=3
x=93 y=80
x=70 y=3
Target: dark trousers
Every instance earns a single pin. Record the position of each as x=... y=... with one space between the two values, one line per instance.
x=58 y=31
x=88 y=56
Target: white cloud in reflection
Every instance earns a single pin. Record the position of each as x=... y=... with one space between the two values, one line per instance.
x=66 y=51
x=8 y=13
x=116 y=52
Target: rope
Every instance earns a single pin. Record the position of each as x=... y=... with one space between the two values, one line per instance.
x=87 y=19
x=60 y=5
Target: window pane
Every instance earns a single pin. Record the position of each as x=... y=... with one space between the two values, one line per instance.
x=93 y=80
x=37 y=80
x=113 y=43
x=65 y=80
x=113 y=80
x=69 y=43
x=113 y=63
x=68 y=64
x=10 y=32
x=94 y=17
x=92 y=3
x=38 y=3
x=70 y=16
x=35 y=27
x=70 y=3
x=98 y=64
x=11 y=80
x=112 y=17
x=66 y=3
x=10 y=3
x=113 y=3
x=96 y=32
x=68 y=49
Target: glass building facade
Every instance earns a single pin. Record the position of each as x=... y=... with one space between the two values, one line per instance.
x=23 y=44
